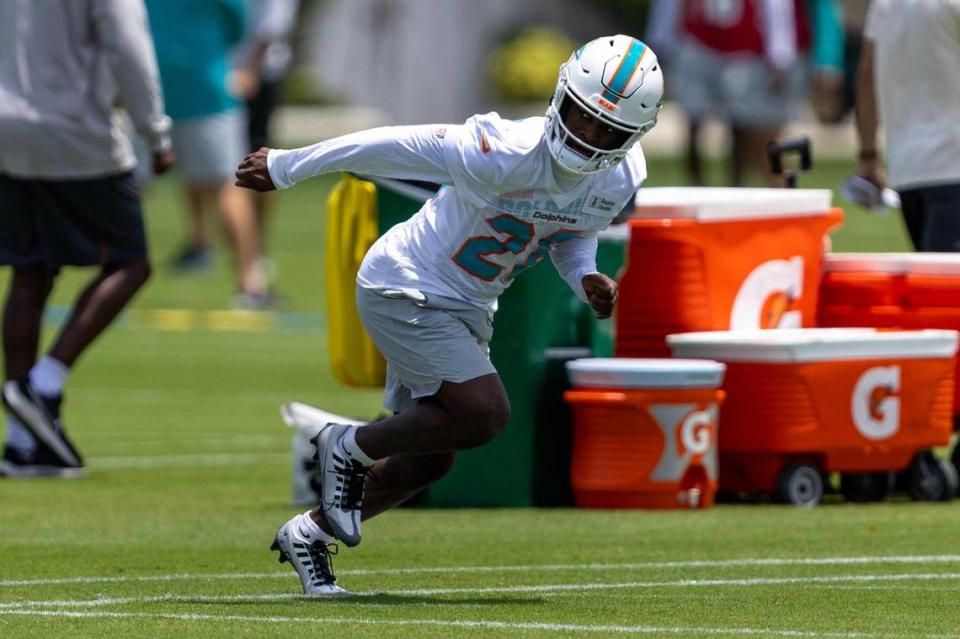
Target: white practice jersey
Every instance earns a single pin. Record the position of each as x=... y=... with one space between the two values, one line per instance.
x=500 y=211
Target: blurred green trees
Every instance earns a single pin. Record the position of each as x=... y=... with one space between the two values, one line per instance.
x=524 y=67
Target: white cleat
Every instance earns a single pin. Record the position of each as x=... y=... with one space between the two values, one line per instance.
x=311 y=561
x=342 y=480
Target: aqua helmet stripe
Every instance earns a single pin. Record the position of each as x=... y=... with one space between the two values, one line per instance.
x=628 y=66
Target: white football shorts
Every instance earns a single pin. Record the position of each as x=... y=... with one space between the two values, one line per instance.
x=426 y=341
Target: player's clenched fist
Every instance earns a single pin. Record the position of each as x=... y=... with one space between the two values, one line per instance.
x=601 y=293
x=252 y=172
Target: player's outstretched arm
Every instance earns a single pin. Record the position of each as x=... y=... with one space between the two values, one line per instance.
x=405 y=152
x=252 y=172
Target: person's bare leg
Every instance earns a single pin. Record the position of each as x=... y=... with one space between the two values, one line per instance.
x=97 y=306
x=396 y=479
x=197 y=202
x=261 y=211
x=738 y=155
x=22 y=318
x=416 y=447
x=236 y=214
x=458 y=417
x=755 y=152
x=393 y=481
x=694 y=157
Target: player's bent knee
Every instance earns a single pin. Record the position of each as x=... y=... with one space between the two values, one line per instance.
x=484 y=422
x=144 y=270
x=137 y=270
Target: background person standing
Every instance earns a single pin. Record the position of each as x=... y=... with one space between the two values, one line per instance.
x=262 y=62
x=909 y=81
x=68 y=197
x=194 y=39
x=751 y=64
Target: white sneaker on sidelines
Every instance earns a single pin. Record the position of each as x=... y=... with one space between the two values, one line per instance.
x=342 y=480
x=310 y=560
x=310 y=420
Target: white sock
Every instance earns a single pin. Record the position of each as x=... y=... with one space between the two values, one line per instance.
x=350 y=445
x=309 y=529
x=19 y=437
x=48 y=376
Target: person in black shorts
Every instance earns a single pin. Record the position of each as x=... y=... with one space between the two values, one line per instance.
x=68 y=198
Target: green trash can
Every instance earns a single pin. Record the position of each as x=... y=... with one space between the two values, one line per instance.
x=540 y=325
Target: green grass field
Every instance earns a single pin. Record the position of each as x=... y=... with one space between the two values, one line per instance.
x=189 y=479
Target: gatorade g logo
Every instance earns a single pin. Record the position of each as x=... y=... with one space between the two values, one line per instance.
x=766 y=295
x=695 y=432
x=687 y=433
x=874 y=406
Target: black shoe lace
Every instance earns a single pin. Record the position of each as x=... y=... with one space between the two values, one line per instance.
x=320 y=555
x=354 y=481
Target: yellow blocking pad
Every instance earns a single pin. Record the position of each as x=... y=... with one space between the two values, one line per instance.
x=351 y=230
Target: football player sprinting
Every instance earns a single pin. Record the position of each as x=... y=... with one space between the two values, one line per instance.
x=514 y=192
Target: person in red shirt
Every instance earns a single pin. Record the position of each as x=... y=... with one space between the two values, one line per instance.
x=746 y=62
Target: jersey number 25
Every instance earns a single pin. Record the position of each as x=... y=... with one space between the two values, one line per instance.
x=472 y=254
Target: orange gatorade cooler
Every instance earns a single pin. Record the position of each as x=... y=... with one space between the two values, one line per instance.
x=805 y=402
x=720 y=258
x=892 y=290
x=645 y=432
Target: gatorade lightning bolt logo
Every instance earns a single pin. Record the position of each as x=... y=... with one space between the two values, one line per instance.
x=689 y=432
x=874 y=406
x=767 y=294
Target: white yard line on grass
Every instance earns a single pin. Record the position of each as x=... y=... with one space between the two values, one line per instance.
x=495 y=590
x=654 y=565
x=168 y=461
x=472 y=624
x=681 y=583
x=110 y=444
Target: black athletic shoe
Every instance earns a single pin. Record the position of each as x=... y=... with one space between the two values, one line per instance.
x=17 y=464
x=192 y=259
x=41 y=416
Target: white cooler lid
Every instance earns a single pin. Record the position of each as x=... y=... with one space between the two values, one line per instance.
x=894 y=263
x=626 y=372
x=813 y=344
x=615 y=234
x=721 y=204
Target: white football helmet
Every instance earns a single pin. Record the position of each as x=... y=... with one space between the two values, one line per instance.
x=615 y=79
